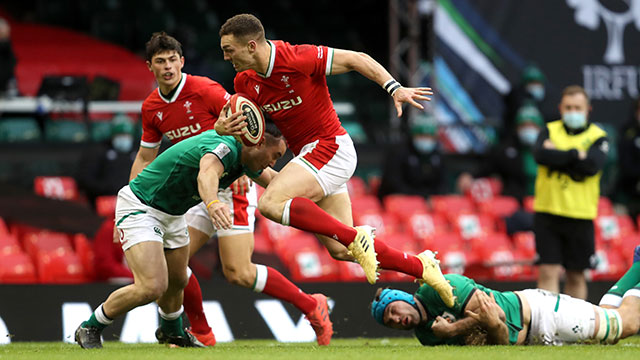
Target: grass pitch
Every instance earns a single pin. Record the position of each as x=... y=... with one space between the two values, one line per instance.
x=353 y=349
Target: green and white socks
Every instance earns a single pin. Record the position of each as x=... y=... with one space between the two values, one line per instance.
x=98 y=319
x=171 y=323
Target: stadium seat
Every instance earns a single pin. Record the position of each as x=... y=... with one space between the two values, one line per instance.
x=19 y=130
x=471 y=226
x=278 y=234
x=261 y=244
x=84 y=250
x=451 y=205
x=424 y=226
x=307 y=265
x=357 y=187
x=9 y=244
x=56 y=187
x=44 y=241
x=402 y=206
x=484 y=189
x=383 y=222
x=17 y=268
x=60 y=268
x=66 y=131
x=527 y=203
x=525 y=243
x=610 y=265
x=350 y=272
x=605 y=206
x=4 y=229
x=452 y=253
x=106 y=205
x=499 y=206
x=301 y=242
x=365 y=204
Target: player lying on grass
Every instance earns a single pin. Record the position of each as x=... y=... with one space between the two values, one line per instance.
x=484 y=316
x=153 y=231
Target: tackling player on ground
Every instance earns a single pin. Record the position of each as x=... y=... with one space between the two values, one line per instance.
x=483 y=316
x=310 y=193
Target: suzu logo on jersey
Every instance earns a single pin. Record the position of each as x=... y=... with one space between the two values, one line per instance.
x=183 y=131
x=282 y=105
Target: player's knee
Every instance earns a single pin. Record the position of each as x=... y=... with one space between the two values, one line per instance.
x=268 y=206
x=153 y=290
x=178 y=282
x=239 y=276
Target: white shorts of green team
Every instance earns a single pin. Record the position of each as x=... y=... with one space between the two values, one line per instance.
x=558 y=319
x=242 y=213
x=137 y=222
x=331 y=166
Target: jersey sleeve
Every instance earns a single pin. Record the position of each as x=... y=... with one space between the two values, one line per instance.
x=215 y=96
x=151 y=136
x=226 y=151
x=314 y=60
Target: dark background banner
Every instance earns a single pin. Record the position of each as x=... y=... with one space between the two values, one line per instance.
x=34 y=312
x=591 y=43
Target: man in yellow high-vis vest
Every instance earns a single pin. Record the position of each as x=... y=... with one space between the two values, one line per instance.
x=570 y=154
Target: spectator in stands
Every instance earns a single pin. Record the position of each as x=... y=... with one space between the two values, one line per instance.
x=629 y=150
x=8 y=85
x=105 y=169
x=512 y=161
x=570 y=154
x=530 y=91
x=415 y=166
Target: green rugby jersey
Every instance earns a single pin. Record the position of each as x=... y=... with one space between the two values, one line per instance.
x=170 y=182
x=463 y=289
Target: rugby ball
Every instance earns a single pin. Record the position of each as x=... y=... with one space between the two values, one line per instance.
x=254 y=133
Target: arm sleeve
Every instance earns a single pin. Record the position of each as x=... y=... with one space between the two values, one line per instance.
x=553 y=158
x=151 y=136
x=595 y=160
x=314 y=60
x=215 y=96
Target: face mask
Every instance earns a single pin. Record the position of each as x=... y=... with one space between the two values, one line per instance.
x=536 y=91
x=528 y=135
x=424 y=145
x=122 y=143
x=574 y=119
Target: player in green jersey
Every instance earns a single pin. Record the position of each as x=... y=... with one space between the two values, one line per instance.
x=153 y=232
x=484 y=316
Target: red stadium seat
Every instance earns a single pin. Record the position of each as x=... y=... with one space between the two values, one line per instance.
x=106 y=205
x=4 y=229
x=365 y=204
x=84 y=250
x=528 y=203
x=312 y=265
x=605 y=207
x=499 y=206
x=425 y=226
x=525 y=244
x=60 y=268
x=350 y=272
x=403 y=206
x=451 y=205
x=56 y=187
x=452 y=252
x=484 y=189
x=261 y=244
x=384 y=223
x=610 y=266
x=9 y=244
x=45 y=241
x=17 y=268
x=472 y=226
x=278 y=234
x=357 y=187
x=296 y=244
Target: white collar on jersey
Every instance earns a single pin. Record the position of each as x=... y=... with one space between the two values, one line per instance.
x=178 y=90
x=272 y=60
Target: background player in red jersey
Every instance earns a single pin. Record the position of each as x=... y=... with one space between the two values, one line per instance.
x=310 y=193
x=183 y=106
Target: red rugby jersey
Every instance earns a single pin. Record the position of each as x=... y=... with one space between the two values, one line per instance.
x=294 y=92
x=193 y=108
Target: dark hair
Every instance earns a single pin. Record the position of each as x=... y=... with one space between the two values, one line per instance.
x=245 y=26
x=575 y=89
x=161 y=42
x=272 y=134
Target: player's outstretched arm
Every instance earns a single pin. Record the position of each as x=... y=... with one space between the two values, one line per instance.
x=347 y=60
x=445 y=329
x=208 y=179
x=144 y=157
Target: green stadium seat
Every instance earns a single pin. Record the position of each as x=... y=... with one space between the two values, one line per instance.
x=355 y=130
x=19 y=130
x=66 y=131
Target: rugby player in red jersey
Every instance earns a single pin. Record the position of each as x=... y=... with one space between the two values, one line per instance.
x=183 y=106
x=310 y=192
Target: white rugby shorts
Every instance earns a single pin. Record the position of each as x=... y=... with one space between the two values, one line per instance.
x=332 y=162
x=242 y=208
x=137 y=222
x=557 y=319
